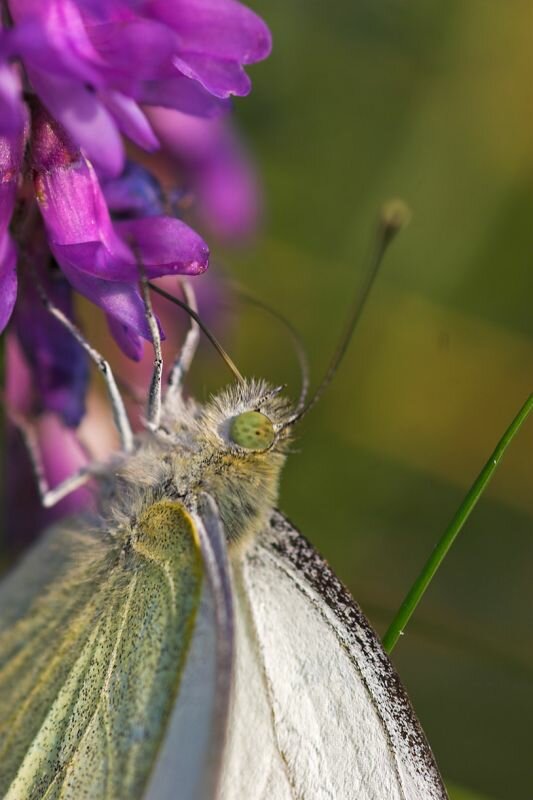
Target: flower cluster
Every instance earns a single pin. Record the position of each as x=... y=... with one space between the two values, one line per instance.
x=75 y=76
x=94 y=65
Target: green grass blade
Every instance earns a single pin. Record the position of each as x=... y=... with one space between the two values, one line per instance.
x=431 y=566
x=460 y=793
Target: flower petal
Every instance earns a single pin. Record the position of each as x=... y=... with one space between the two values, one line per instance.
x=95 y=260
x=165 y=246
x=129 y=342
x=219 y=77
x=135 y=193
x=191 y=139
x=130 y=119
x=59 y=365
x=229 y=198
x=223 y=29
x=8 y=279
x=73 y=207
x=153 y=43
x=12 y=110
x=51 y=37
x=11 y=149
x=79 y=227
x=216 y=168
x=183 y=94
x=85 y=118
x=119 y=300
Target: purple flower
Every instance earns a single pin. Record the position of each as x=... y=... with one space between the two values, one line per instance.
x=211 y=158
x=136 y=193
x=95 y=64
x=11 y=148
x=100 y=258
x=8 y=279
x=58 y=364
x=214 y=38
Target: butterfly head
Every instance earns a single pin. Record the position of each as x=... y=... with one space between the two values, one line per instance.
x=242 y=448
x=247 y=421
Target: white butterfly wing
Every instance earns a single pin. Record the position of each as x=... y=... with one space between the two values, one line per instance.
x=318 y=711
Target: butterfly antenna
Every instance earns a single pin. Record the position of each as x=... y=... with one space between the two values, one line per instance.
x=212 y=338
x=295 y=337
x=394 y=216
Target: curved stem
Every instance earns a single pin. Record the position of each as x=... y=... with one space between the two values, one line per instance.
x=431 y=566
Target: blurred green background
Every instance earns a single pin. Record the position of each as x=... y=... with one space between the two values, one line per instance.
x=362 y=100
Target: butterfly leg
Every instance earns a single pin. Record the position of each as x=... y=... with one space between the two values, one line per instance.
x=49 y=496
x=153 y=411
x=120 y=416
x=183 y=362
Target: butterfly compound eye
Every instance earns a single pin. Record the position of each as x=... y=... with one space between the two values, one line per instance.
x=252 y=430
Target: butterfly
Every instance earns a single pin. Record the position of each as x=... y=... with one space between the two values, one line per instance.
x=186 y=640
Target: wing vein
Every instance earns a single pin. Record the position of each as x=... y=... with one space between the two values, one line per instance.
x=251 y=625
x=102 y=699
x=309 y=594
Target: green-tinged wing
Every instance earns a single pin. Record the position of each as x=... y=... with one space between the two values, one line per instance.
x=90 y=664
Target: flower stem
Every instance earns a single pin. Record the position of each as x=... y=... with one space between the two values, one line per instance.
x=431 y=566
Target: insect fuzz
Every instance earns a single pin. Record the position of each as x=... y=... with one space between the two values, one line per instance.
x=201 y=448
